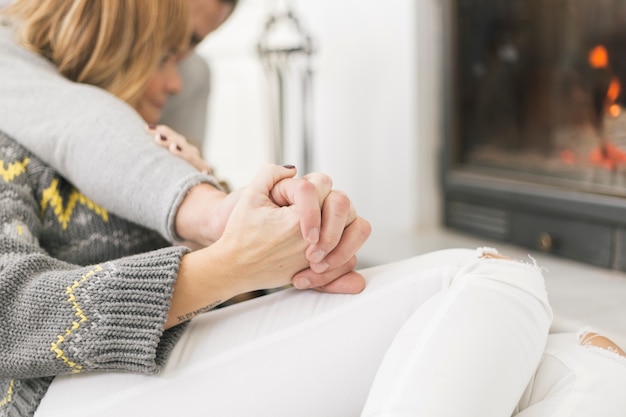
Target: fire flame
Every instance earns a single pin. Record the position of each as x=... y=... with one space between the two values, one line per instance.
x=599 y=57
x=612 y=94
x=607 y=154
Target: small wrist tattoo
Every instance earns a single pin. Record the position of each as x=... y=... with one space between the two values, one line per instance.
x=193 y=314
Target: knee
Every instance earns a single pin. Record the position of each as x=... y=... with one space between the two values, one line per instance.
x=490 y=253
x=595 y=339
x=525 y=276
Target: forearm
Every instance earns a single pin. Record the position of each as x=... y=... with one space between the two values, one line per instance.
x=215 y=274
x=200 y=286
x=208 y=277
x=203 y=213
x=93 y=139
x=100 y=156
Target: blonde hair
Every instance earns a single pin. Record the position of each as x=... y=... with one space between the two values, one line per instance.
x=112 y=44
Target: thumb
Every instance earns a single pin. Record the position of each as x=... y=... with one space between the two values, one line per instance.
x=269 y=176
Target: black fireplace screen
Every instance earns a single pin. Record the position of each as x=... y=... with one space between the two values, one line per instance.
x=541 y=91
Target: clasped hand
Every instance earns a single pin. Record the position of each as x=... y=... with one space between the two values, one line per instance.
x=298 y=229
x=331 y=232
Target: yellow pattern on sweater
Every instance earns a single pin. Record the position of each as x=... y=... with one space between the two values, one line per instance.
x=78 y=312
x=9 y=397
x=13 y=170
x=52 y=197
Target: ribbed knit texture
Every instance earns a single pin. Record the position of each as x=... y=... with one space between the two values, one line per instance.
x=80 y=289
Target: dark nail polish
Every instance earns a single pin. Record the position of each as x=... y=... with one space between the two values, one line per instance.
x=163 y=137
x=178 y=148
x=289 y=166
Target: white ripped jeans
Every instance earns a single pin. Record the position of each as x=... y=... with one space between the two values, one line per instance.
x=449 y=333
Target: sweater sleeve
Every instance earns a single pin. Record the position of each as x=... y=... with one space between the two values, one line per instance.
x=89 y=131
x=59 y=318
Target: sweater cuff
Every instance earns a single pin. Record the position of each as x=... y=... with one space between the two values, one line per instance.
x=190 y=182
x=126 y=303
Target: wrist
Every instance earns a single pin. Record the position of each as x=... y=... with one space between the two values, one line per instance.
x=202 y=284
x=197 y=219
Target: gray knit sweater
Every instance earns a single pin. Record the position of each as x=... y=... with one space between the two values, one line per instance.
x=79 y=129
x=80 y=289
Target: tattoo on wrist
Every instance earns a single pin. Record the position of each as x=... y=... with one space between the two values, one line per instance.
x=193 y=314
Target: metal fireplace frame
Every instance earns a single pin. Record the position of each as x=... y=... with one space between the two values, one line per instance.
x=521 y=210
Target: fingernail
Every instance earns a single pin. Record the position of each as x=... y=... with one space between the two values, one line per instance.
x=178 y=148
x=163 y=137
x=151 y=126
x=289 y=166
x=320 y=267
x=313 y=236
x=302 y=283
x=317 y=256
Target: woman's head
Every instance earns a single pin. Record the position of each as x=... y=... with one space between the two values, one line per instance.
x=113 y=44
x=208 y=15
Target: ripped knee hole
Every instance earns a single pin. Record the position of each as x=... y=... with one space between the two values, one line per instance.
x=595 y=339
x=492 y=255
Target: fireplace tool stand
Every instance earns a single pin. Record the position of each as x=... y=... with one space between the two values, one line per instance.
x=285 y=51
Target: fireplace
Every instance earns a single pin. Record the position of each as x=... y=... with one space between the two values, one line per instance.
x=535 y=125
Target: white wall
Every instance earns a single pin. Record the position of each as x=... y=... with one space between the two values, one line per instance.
x=376 y=115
